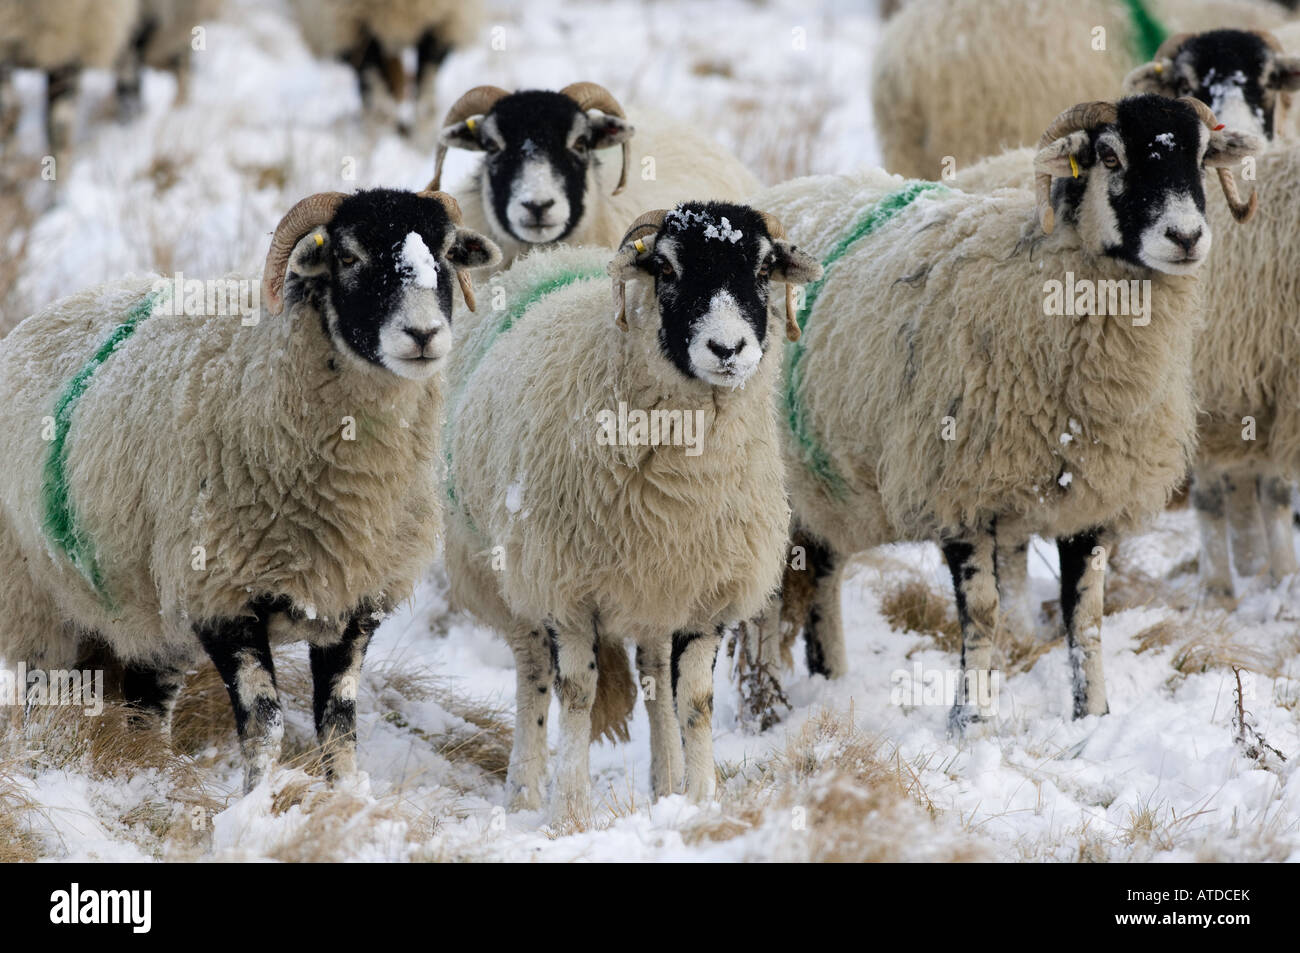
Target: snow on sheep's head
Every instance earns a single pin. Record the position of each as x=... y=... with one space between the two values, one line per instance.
x=711 y=265
x=539 y=173
x=1129 y=176
x=1244 y=76
x=378 y=267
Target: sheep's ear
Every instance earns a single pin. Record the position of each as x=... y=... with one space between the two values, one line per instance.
x=469 y=249
x=465 y=134
x=793 y=266
x=607 y=130
x=311 y=254
x=1055 y=158
x=1228 y=147
x=626 y=265
x=1158 y=77
x=1286 y=74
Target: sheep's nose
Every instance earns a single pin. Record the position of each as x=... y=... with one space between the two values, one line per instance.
x=1184 y=240
x=538 y=208
x=421 y=338
x=724 y=351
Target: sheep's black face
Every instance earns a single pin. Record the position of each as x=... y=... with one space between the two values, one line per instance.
x=382 y=273
x=1139 y=195
x=711 y=267
x=540 y=161
x=1234 y=72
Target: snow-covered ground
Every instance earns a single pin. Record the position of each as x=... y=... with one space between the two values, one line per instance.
x=847 y=773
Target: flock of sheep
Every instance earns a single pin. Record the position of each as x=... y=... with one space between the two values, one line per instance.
x=178 y=487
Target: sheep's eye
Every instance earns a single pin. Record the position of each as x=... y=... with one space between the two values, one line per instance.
x=765 y=270
x=666 y=269
x=346 y=259
x=490 y=147
x=581 y=145
x=1108 y=157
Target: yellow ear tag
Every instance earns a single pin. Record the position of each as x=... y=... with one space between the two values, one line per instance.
x=319 y=240
x=639 y=246
x=1160 y=68
x=470 y=123
x=1074 y=167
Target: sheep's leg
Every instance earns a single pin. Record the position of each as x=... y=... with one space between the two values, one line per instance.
x=61 y=106
x=694 y=655
x=336 y=676
x=823 y=630
x=1083 y=578
x=1275 y=502
x=241 y=651
x=534 y=672
x=1208 y=499
x=151 y=693
x=1017 y=615
x=666 y=764
x=1245 y=529
x=971 y=560
x=575 y=653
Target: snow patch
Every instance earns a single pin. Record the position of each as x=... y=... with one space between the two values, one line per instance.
x=416 y=264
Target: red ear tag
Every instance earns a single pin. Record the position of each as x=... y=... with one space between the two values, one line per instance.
x=1219 y=126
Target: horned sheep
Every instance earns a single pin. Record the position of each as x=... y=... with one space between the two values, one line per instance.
x=571 y=531
x=987 y=414
x=174 y=482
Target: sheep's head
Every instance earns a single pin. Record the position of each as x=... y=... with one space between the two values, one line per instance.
x=1244 y=76
x=1129 y=176
x=377 y=266
x=710 y=265
x=538 y=177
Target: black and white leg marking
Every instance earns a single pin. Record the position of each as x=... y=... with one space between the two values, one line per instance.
x=240 y=649
x=693 y=659
x=1275 y=503
x=575 y=654
x=667 y=767
x=151 y=692
x=823 y=630
x=534 y=671
x=972 y=560
x=1083 y=578
x=336 y=677
x=1209 y=499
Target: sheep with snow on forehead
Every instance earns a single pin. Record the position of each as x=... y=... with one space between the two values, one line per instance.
x=279 y=472
x=572 y=532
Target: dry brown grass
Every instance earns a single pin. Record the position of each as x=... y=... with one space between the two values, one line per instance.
x=1203 y=642
x=913 y=605
x=16 y=220
x=17 y=843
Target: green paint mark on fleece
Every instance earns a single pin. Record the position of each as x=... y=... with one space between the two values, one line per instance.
x=814 y=455
x=1148 y=32
x=530 y=297
x=60 y=520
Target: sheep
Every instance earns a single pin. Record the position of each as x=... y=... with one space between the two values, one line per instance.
x=948 y=401
x=162 y=39
x=60 y=38
x=371 y=35
x=541 y=181
x=223 y=482
x=960 y=79
x=1246 y=359
x=571 y=527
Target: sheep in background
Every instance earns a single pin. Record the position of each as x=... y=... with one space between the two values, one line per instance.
x=933 y=396
x=971 y=78
x=174 y=483
x=541 y=181
x=60 y=38
x=371 y=36
x=162 y=40
x=571 y=540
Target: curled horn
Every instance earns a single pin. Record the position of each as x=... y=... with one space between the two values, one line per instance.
x=1241 y=211
x=1082 y=116
x=775 y=231
x=595 y=96
x=307 y=214
x=1271 y=41
x=453 y=212
x=646 y=223
x=478 y=100
x=1170 y=47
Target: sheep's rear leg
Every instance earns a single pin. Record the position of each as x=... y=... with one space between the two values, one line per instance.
x=241 y=651
x=823 y=629
x=1209 y=501
x=575 y=653
x=1245 y=528
x=336 y=676
x=1083 y=579
x=974 y=580
x=534 y=672
x=151 y=692
x=1275 y=503
x=694 y=655
x=1017 y=615
x=667 y=768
